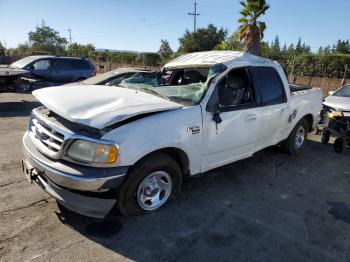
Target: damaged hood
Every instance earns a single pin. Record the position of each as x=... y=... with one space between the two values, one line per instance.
x=100 y=106
x=8 y=71
x=338 y=102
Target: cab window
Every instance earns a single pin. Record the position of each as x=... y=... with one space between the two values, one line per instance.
x=235 y=89
x=269 y=85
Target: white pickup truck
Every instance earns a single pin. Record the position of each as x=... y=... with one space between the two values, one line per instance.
x=94 y=147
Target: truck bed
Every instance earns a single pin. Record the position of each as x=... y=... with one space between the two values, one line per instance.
x=297 y=88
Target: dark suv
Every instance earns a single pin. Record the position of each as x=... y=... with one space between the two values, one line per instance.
x=56 y=68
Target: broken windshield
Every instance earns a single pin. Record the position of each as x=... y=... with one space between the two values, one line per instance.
x=188 y=94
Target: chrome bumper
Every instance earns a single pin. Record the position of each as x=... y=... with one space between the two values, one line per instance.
x=72 y=176
x=63 y=181
x=81 y=204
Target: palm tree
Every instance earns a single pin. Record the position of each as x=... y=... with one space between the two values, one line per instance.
x=251 y=31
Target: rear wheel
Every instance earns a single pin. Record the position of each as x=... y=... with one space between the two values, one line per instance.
x=295 y=143
x=150 y=184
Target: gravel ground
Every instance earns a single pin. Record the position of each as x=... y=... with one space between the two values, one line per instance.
x=270 y=207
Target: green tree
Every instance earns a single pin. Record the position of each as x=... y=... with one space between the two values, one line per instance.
x=2 y=49
x=299 y=47
x=251 y=30
x=149 y=59
x=46 y=39
x=284 y=48
x=231 y=43
x=275 y=47
x=342 y=47
x=265 y=50
x=76 y=49
x=20 y=51
x=204 y=39
x=165 y=50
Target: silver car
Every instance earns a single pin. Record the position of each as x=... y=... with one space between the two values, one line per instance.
x=339 y=100
x=112 y=78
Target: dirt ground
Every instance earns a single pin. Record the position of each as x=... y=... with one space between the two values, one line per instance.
x=270 y=207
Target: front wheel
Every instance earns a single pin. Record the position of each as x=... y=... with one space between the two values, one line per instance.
x=295 y=143
x=150 y=184
x=24 y=88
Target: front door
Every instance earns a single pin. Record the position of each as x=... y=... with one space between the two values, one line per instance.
x=235 y=137
x=42 y=69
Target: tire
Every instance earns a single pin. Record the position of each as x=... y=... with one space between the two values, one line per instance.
x=339 y=145
x=326 y=135
x=138 y=183
x=24 y=88
x=290 y=145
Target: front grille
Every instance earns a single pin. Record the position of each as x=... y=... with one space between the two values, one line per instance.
x=47 y=140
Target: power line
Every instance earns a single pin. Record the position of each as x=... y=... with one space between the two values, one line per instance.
x=194 y=14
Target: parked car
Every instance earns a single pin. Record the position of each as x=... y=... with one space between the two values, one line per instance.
x=339 y=99
x=49 y=69
x=93 y=146
x=112 y=78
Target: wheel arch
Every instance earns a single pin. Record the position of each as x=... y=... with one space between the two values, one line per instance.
x=176 y=154
x=309 y=120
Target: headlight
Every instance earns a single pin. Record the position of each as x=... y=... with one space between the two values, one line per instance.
x=91 y=152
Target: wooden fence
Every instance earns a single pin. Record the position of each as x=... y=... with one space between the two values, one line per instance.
x=327 y=84
x=103 y=67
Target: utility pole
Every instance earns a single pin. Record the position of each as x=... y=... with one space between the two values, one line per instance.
x=70 y=36
x=194 y=14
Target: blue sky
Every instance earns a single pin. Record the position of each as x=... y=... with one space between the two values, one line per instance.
x=139 y=25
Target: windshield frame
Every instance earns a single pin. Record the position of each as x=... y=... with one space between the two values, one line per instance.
x=27 y=60
x=340 y=90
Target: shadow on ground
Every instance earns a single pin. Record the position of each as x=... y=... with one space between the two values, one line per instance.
x=271 y=206
x=15 y=109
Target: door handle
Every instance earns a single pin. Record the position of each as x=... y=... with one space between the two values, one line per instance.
x=250 y=118
x=284 y=109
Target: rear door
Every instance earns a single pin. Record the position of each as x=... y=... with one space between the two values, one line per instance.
x=81 y=69
x=62 y=70
x=273 y=102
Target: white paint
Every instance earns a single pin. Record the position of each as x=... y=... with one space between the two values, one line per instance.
x=338 y=102
x=99 y=106
x=241 y=133
x=210 y=58
x=7 y=71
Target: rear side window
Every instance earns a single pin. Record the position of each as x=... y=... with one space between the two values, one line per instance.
x=269 y=85
x=61 y=64
x=79 y=64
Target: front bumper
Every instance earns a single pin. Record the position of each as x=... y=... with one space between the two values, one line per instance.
x=68 y=182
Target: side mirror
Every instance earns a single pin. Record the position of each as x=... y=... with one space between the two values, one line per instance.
x=213 y=106
x=331 y=93
x=217 y=118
